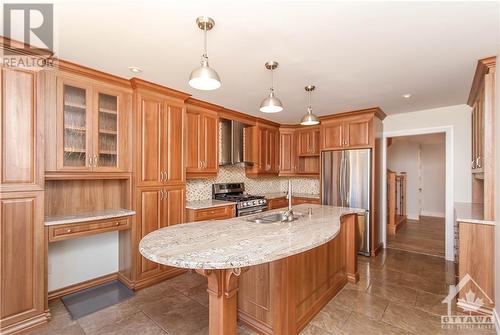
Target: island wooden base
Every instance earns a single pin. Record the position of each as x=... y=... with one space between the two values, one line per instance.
x=281 y=297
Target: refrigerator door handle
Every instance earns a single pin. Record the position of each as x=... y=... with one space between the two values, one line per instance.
x=341 y=179
x=347 y=187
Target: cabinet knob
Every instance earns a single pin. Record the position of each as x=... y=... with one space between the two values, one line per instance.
x=68 y=230
x=117 y=223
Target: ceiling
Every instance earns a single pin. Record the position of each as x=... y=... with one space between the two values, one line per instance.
x=359 y=55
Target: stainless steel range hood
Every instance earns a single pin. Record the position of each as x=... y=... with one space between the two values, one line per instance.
x=231 y=143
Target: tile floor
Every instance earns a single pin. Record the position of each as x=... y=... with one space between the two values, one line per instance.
x=398 y=293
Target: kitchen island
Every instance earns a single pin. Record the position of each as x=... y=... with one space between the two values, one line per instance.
x=275 y=277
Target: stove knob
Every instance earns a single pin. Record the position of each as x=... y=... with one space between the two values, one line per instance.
x=255 y=202
x=245 y=203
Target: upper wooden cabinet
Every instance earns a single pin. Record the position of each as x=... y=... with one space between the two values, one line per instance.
x=482 y=101
x=159 y=120
x=92 y=126
x=288 y=151
x=346 y=132
x=308 y=141
x=202 y=131
x=21 y=129
x=262 y=147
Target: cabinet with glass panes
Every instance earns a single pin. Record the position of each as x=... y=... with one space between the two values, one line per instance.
x=93 y=121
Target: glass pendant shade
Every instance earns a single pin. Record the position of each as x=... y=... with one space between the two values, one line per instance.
x=204 y=78
x=271 y=104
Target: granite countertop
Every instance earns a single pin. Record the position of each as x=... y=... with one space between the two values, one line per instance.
x=471 y=213
x=90 y=216
x=209 y=203
x=236 y=242
x=275 y=195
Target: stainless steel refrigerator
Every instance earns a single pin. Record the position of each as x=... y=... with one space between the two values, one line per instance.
x=346 y=182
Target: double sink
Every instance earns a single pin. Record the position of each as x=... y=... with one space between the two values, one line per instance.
x=272 y=218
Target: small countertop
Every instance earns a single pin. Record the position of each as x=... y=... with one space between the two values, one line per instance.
x=90 y=216
x=471 y=213
x=237 y=242
x=276 y=195
x=209 y=203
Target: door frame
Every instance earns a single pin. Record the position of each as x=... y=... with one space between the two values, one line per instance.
x=449 y=180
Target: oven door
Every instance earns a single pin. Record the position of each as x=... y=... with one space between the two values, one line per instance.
x=252 y=210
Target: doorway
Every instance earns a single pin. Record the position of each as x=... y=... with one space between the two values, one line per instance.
x=416 y=192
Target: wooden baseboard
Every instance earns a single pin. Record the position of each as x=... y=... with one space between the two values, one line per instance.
x=254 y=324
x=56 y=294
x=174 y=272
x=26 y=325
x=377 y=250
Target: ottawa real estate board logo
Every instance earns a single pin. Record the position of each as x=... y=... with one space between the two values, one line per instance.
x=474 y=307
x=28 y=31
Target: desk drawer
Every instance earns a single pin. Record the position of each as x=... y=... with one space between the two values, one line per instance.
x=75 y=230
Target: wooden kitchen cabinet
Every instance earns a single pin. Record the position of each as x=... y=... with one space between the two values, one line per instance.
x=92 y=121
x=159 y=179
x=304 y=200
x=288 y=152
x=21 y=126
x=202 y=139
x=347 y=132
x=308 y=141
x=277 y=203
x=159 y=132
x=156 y=208
x=23 y=252
x=262 y=143
x=212 y=213
x=482 y=100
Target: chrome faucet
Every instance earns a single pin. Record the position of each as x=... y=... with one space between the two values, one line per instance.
x=288 y=214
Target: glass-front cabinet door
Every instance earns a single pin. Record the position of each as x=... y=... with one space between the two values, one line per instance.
x=75 y=125
x=107 y=132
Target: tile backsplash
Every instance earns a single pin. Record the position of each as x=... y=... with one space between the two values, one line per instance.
x=202 y=189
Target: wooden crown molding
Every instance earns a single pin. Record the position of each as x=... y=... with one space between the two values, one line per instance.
x=377 y=111
x=484 y=66
x=230 y=114
x=143 y=84
x=203 y=104
x=23 y=49
x=94 y=74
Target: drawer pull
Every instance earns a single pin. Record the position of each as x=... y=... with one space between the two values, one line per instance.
x=117 y=223
x=68 y=230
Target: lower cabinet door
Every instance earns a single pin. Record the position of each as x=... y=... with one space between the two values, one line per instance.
x=22 y=258
x=149 y=219
x=157 y=208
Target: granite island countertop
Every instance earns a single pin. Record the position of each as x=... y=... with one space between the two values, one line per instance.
x=209 y=203
x=471 y=213
x=237 y=242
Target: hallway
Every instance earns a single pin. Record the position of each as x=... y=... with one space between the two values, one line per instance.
x=424 y=236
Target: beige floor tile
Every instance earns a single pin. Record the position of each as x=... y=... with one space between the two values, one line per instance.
x=135 y=324
x=73 y=329
x=362 y=302
x=110 y=315
x=361 y=324
x=331 y=318
x=393 y=292
x=178 y=315
x=412 y=319
x=314 y=330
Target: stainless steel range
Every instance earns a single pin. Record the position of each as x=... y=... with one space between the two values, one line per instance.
x=245 y=204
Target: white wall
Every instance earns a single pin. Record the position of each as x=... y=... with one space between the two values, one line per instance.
x=402 y=156
x=457 y=117
x=81 y=259
x=433 y=179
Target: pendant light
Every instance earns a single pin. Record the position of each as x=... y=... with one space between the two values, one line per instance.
x=309 y=119
x=205 y=78
x=271 y=104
